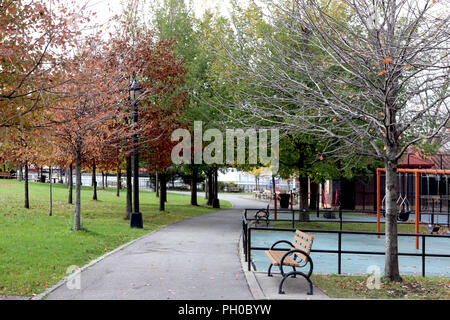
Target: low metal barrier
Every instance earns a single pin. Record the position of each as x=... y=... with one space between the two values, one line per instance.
x=339 y=219
x=247 y=236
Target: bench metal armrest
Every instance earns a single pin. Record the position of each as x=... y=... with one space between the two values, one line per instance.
x=303 y=253
x=281 y=241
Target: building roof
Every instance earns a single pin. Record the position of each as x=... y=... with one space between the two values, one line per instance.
x=441 y=161
x=413 y=161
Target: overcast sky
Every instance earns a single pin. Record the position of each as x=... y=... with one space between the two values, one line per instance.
x=107 y=8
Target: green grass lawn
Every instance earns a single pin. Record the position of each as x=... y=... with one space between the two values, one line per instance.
x=355 y=287
x=36 y=249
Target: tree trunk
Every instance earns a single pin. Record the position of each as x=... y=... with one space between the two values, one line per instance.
x=77 y=215
x=207 y=186
x=129 y=189
x=162 y=199
x=194 y=185
x=94 y=182
x=164 y=188
x=27 y=198
x=106 y=180
x=391 y=263
x=50 y=210
x=103 y=180
x=216 y=203
x=119 y=182
x=70 y=183
x=313 y=196
x=210 y=188
x=157 y=184
x=274 y=188
x=303 y=199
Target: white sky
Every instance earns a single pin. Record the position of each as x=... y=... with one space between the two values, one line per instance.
x=107 y=8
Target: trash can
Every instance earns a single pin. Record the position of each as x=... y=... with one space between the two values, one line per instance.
x=284 y=200
x=43 y=178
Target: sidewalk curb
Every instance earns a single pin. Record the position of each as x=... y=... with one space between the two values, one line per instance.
x=252 y=282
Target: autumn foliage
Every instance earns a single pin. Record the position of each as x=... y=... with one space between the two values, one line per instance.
x=64 y=93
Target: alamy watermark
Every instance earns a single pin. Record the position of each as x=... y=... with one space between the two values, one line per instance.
x=241 y=146
x=374 y=280
x=74 y=278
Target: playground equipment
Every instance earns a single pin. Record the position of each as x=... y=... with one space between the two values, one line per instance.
x=404 y=214
x=336 y=201
x=433 y=228
x=405 y=211
x=402 y=203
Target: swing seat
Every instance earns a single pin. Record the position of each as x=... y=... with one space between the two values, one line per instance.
x=434 y=228
x=403 y=215
x=329 y=215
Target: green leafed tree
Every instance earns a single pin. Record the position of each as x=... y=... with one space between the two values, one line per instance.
x=367 y=78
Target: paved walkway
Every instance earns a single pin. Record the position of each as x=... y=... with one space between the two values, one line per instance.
x=196 y=258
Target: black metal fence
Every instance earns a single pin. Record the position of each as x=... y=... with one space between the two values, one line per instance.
x=247 y=236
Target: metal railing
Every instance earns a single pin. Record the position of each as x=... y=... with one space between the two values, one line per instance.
x=247 y=236
x=339 y=216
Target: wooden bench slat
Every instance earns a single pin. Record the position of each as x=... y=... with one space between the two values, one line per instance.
x=303 y=242
x=300 y=247
x=304 y=235
x=276 y=256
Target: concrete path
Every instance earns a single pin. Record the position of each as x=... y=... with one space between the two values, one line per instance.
x=200 y=258
x=196 y=258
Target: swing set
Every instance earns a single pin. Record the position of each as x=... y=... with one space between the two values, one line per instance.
x=402 y=202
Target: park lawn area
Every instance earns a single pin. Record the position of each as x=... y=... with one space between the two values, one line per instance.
x=355 y=287
x=36 y=249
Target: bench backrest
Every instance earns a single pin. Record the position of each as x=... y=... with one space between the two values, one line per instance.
x=303 y=242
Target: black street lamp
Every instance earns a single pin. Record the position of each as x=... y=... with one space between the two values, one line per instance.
x=136 y=216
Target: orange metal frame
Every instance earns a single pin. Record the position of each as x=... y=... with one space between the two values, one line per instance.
x=417 y=173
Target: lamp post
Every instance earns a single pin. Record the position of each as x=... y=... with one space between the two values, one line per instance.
x=136 y=216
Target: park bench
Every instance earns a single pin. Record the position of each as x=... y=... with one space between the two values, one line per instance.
x=5 y=175
x=267 y=194
x=299 y=249
x=263 y=214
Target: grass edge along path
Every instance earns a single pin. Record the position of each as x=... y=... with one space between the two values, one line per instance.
x=356 y=287
x=36 y=249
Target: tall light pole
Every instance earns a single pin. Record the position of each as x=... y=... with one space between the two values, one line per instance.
x=136 y=216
